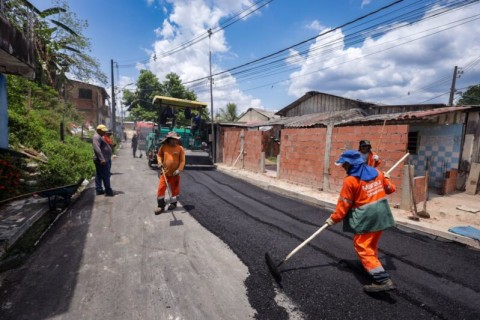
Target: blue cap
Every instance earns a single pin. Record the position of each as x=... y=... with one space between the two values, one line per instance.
x=350 y=156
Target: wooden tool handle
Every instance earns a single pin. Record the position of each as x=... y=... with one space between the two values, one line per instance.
x=397 y=163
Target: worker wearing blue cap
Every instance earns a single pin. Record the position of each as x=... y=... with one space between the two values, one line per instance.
x=365 y=211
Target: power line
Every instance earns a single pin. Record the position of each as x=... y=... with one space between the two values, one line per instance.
x=469 y=19
x=204 y=35
x=403 y=17
x=302 y=42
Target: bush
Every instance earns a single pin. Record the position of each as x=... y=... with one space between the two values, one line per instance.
x=67 y=162
x=35 y=113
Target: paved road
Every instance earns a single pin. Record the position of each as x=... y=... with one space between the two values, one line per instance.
x=324 y=281
x=111 y=258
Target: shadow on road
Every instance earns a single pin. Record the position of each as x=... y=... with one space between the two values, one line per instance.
x=44 y=286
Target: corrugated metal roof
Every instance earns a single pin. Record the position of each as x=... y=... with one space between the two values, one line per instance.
x=349 y=117
x=411 y=115
x=311 y=120
x=310 y=94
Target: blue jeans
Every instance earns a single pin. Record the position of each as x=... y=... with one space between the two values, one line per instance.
x=102 y=174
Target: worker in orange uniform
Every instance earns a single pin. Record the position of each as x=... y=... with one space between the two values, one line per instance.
x=369 y=157
x=365 y=211
x=171 y=160
x=108 y=139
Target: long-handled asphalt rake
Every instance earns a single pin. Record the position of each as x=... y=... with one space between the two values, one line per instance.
x=175 y=221
x=274 y=267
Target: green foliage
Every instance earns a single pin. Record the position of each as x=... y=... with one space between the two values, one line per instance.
x=35 y=113
x=229 y=114
x=471 y=96
x=67 y=162
x=60 y=46
x=139 y=113
x=148 y=86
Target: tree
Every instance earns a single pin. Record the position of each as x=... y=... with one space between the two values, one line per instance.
x=471 y=96
x=229 y=114
x=139 y=102
x=60 y=45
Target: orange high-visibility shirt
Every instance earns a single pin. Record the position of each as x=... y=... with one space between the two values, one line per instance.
x=371 y=162
x=356 y=193
x=172 y=158
x=108 y=140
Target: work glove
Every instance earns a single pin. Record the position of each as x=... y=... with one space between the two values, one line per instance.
x=176 y=173
x=330 y=222
x=376 y=157
x=386 y=175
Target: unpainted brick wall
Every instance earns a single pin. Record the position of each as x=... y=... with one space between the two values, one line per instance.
x=449 y=182
x=231 y=146
x=389 y=142
x=225 y=145
x=302 y=153
x=419 y=188
x=251 y=152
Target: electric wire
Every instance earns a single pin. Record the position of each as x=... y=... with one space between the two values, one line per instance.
x=204 y=35
x=347 y=43
x=471 y=19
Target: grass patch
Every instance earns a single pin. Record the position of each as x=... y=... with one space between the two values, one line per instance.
x=271 y=160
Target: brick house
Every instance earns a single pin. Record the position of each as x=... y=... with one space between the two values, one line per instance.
x=311 y=142
x=90 y=101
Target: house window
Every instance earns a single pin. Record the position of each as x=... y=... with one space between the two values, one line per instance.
x=85 y=94
x=413 y=142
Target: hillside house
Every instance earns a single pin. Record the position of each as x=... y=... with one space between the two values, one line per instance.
x=90 y=101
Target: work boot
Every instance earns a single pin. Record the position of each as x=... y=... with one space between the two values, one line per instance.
x=159 y=210
x=172 y=206
x=386 y=285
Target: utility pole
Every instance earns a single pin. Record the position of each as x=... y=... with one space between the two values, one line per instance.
x=456 y=74
x=211 y=97
x=114 y=121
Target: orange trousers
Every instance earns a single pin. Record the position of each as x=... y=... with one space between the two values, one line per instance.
x=366 y=246
x=174 y=183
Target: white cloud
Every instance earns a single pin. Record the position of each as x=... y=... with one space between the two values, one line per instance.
x=386 y=68
x=315 y=25
x=365 y=3
x=373 y=72
x=166 y=31
x=187 y=20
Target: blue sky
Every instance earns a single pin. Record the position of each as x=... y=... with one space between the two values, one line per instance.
x=389 y=60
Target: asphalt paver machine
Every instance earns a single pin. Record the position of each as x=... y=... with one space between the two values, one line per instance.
x=183 y=117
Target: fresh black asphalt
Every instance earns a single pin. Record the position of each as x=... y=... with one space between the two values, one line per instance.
x=436 y=280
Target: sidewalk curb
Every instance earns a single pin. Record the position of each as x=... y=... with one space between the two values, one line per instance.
x=404 y=225
x=28 y=222
x=435 y=234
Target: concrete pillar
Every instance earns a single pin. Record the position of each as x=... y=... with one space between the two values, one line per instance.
x=278 y=165
x=262 y=162
x=406 y=195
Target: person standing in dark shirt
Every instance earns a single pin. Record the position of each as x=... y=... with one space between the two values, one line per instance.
x=134 y=144
x=102 y=155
